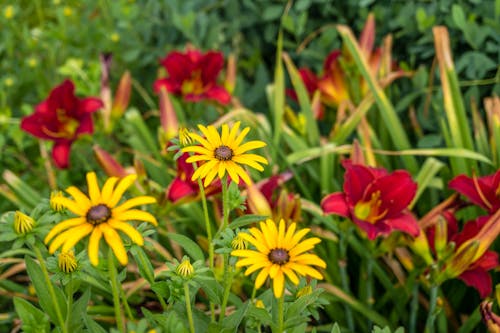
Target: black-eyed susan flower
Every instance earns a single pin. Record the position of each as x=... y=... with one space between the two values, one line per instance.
x=279 y=252
x=224 y=152
x=99 y=214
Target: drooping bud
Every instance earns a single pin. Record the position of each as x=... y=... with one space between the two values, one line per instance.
x=122 y=96
x=168 y=118
x=230 y=81
x=67 y=262
x=106 y=59
x=441 y=236
x=108 y=163
x=23 y=223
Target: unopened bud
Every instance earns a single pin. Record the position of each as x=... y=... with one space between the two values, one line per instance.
x=23 y=223
x=421 y=247
x=108 y=163
x=491 y=320
x=67 y=262
x=239 y=243
x=307 y=290
x=54 y=201
x=185 y=269
x=168 y=117
x=441 y=236
x=122 y=96
x=462 y=259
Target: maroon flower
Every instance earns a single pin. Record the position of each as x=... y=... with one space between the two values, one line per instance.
x=62 y=118
x=375 y=200
x=476 y=275
x=193 y=76
x=482 y=191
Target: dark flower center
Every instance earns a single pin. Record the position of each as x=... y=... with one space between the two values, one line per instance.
x=278 y=256
x=98 y=214
x=223 y=153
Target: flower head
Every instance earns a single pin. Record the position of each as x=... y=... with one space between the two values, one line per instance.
x=22 y=223
x=99 y=214
x=279 y=252
x=375 y=200
x=62 y=118
x=224 y=152
x=193 y=75
x=482 y=191
x=185 y=269
x=239 y=243
x=54 y=204
x=67 y=262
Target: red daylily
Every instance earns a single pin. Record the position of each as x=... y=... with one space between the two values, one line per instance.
x=476 y=275
x=482 y=191
x=62 y=118
x=182 y=187
x=375 y=200
x=193 y=76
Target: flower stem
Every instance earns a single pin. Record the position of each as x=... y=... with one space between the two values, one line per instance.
x=228 y=281
x=116 y=292
x=51 y=289
x=429 y=324
x=69 y=301
x=188 y=307
x=281 y=313
x=225 y=203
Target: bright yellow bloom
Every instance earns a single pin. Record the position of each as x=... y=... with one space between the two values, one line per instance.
x=22 y=223
x=224 y=152
x=279 y=253
x=99 y=215
x=67 y=262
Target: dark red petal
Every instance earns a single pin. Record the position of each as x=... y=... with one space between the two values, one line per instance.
x=218 y=94
x=372 y=230
x=211 y=65
x=178 y=66
x=33 y=125
x=405 y=223
x=465 y=186
x=331 y=59
x=173 y=87
x=86 y=125
x=356 y=179
x=179 y=189
x=60 y=153
x=478 y=279
x=63 y=97
x=42 y=108
x=335 y=203
x=487 y=261
x=397 y=190
x=90 y=104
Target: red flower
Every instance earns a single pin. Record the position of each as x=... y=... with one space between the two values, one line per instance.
x=62 y=117
x=375 y=200
x=482 y=191
x=476 y=274
x=193 y=75
x=182 y=187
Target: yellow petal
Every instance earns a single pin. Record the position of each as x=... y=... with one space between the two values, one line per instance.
x=115 y=242
x=242 y=160
x=58 y=241
x=137 y=215
x=297 y=237
x=232 y=135
x=249 y=146
x=225 y=134
x=240 y=137
x=214 y=136
x=197 y=158
x=281 y=234
x=221 y=170
x=123 y=185
x=261 y=277
x=72 y=205
x=256 y=267
x=93 y=187
x=197 y=149
x=231 y=170
x=291 y=275
x=289 y=235
x=258 y=240
x=142 y=200
x=130 y=231
x=201 y=140
x=273 y=271
x=279 y=284
x=77 y=234
x=242 y=173
x=309 y=259
x=210 y=176
x=305 y=270
x=79 y=197
x=304 y=246
x=63 y=226
x=107 y=189
x=272 y=236
x=93 y=248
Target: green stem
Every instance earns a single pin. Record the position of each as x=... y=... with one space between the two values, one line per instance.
x=281 y=314
x=51 y=289
x=225 y=203
x=344 y=278
x=116 y=292
x=188 y=307
x=228 y=281
x=125 y=303
x=69 y=301
x=414 y=309
x=431 y=316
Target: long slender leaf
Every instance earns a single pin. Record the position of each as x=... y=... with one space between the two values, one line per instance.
x=278 y=91
x=424 y=177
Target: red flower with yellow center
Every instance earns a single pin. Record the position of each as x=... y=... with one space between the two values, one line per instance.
x=375 y=200
x=193 y=76
x=482 y=191
x=62 y=118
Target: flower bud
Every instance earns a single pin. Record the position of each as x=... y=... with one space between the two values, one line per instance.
x=491 y=320
x=421 y=247
x=462 y=259
x=122 y=96
x=54 y=203
x=239 y=243
x=185 y=269
x=168 y=118
x=257 y=202
x=108 y=163
x=307 y=290
x=67 y=262
x=23 y=223
x=441 y=236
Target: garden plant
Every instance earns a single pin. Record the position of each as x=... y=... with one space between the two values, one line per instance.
x=250 y=166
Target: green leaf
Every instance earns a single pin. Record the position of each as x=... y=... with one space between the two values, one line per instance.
x=27 y=197
x=143 y=263
x=278 y=91
x=33 y=319
x=44 y=298
x=213 y=290
x=92 y=325
x=191 y=248
x=231 y=323
x=245 y=220
x=78 y=310
x=458 y=16
x=335 y=328
x=427 y=172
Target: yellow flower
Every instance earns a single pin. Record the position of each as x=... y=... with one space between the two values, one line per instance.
x=54 y=204
x=8 y=12
x=22 y=223
x=115 y=37
x=239 y=243
x=185 y=137
x=279 y=253
x=185 y=269
x=99 y=215
x=67 y=262
x=224 y=152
